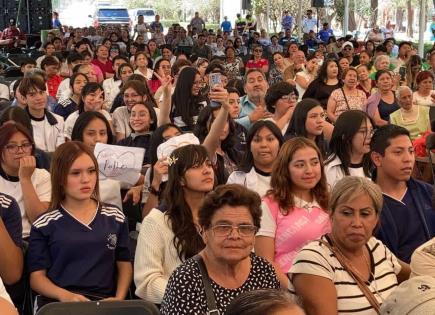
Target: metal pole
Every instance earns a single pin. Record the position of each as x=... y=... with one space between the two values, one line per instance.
x=346 y=17
x=421 y=28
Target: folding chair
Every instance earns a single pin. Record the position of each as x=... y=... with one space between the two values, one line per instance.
x=132 y=307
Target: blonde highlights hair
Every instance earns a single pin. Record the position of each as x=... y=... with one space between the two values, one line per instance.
x=351 y=187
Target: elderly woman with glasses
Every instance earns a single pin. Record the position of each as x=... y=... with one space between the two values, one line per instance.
x=257 y=61
x=348 y=270
x=228 y=221
x=410 y=115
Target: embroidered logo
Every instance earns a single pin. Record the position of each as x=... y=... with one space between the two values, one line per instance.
x=111 y=241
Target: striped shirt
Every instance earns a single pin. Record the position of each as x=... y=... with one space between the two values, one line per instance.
x=316 y=259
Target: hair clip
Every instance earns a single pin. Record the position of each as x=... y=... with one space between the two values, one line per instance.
x=172 y=160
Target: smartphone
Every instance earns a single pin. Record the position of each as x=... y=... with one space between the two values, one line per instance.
x=402 y=72
x=214 y=79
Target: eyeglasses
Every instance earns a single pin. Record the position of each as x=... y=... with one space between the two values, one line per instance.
x=224 y=230
x=258 y=50
x=366 y=132
x=13 y=148
x=290 y=97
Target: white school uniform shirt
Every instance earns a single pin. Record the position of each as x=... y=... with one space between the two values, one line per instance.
x=252 y=180
x=63 y=91
x=47 y=135
x=111 y=90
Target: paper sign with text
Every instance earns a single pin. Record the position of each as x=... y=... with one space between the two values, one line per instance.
x=119 y=163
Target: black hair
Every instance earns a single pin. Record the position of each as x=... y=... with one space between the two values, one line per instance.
x=276 y=91
x=296 y=127
x=184 y=103
x=382 y=136
x=73 y=78
x=89 y=88
x=248 y=162
x=405 y=43
x=73 y=57
x=238 y=85
x=18 y=115
x=157 y=66
x=346 y=127
x=323 y=75
x=187 y=240
x=84 y=120
x=27 y=61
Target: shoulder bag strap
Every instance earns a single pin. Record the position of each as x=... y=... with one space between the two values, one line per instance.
x=345 y=98
x=211 y=299
x=351 y=270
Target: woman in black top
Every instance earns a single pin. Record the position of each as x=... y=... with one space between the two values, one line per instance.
x=326 y=82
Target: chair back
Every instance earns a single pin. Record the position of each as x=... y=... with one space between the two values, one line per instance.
x=131 y=307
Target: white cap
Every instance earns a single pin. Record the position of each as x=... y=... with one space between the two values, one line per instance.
x=347 y=44
x=413 y=297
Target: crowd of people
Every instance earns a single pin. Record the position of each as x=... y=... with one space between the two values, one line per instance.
x=278 y=175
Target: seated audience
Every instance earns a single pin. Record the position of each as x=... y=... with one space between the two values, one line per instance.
x=168 y=238
x=348 y=270
x=228 y=220
x=408 y=217
x=19 y=177
x=78 y=226
x=294 y=210
x=349 y=147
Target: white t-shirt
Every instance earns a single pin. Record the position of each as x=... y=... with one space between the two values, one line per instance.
x=41 y=182
x=71 y=120
x=111 y=90
x=334 y=173
x=121 y=121
x=148 y=76
x=422 y=100
x=48 y=137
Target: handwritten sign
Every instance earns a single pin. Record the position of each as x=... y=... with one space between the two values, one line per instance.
x=119 y=163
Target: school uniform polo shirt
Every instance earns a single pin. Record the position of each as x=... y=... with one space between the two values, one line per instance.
x=79 y=257
x=11 y=216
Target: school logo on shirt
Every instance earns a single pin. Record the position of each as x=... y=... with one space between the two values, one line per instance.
x=111 y=241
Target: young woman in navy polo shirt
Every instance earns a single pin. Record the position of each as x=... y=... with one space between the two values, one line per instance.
x=79 y=249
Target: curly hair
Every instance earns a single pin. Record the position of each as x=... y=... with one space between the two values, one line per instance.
x=230 y=195
x=281 y=185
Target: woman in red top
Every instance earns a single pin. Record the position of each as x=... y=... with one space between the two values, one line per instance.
x=257 y=61
x=51 y=65
x=163 y=69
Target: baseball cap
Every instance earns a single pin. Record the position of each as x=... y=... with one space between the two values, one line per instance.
x=347 y=44
x=413 y=297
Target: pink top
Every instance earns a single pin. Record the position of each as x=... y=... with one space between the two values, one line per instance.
x=306 y=222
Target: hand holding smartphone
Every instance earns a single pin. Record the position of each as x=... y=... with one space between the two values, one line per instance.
x=214 y=81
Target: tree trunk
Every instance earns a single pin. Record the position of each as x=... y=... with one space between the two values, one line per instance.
x=409 y=29
x=399 y=20
x=374 y=7
x=352 y=21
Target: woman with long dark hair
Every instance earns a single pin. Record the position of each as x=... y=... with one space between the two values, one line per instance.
x=349 y=147
x=263 y=143
x=168 y=238
x=326 y=82
x=309 y=121
x=216 y=131
x=187 y=101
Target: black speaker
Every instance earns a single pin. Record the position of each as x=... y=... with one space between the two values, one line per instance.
x=32 y=16
x=318 y=3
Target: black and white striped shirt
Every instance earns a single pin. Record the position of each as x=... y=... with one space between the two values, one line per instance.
x=316 y=259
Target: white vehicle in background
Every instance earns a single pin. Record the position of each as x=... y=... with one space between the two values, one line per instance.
x=148 y=15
